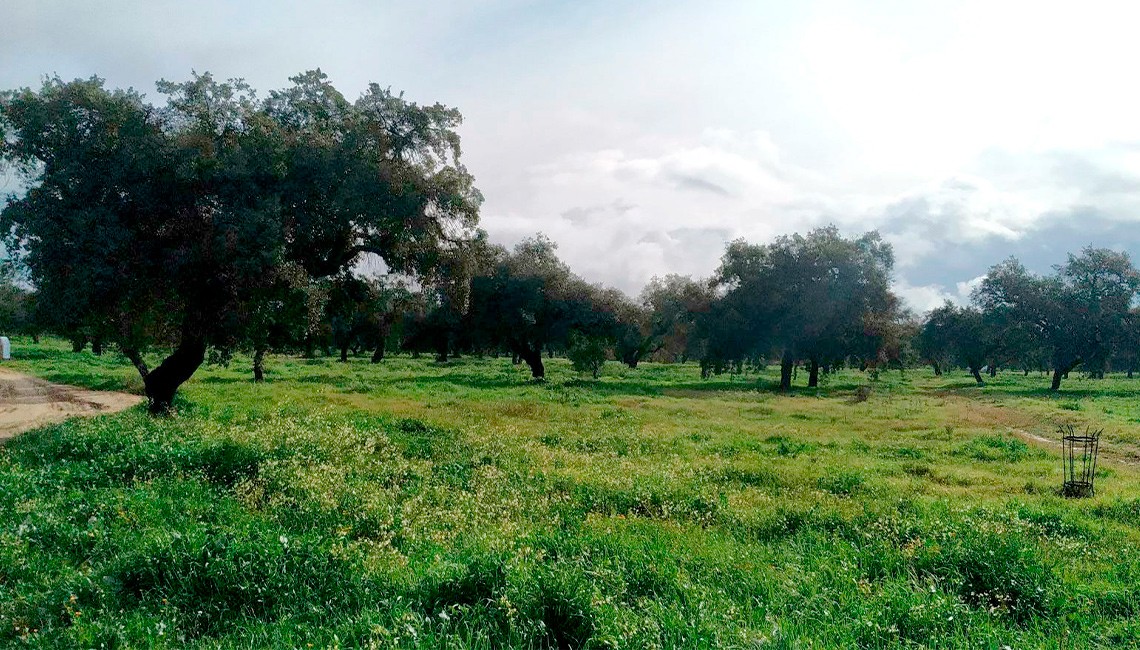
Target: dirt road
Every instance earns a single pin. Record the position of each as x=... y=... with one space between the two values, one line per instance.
x=27 y=402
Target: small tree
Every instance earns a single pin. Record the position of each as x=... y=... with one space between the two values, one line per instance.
x=587 y=353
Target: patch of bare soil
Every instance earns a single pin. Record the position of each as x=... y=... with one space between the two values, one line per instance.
x=27 y=402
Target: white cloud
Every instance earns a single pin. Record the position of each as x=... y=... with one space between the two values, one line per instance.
x=642 y=140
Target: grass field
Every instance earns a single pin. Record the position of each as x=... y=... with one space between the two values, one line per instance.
x=411 y=504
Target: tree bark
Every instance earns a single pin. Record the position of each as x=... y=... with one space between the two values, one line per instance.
x=976 y=372
x=378 y=355
x=813 y=374
x=937 y=369
x=344 y=354
x=533 y=358
x=309 y=347
x=786 y=366
x=162 y=382
x=1057 y=375
x=259 y=365
x=97 y=346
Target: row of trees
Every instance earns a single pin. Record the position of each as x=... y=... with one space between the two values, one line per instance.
x=219 y=221
x=1081 y=315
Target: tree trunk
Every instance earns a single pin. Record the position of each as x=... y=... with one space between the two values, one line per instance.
x=1027 y=372
x=515 y=358
x=309 y=347
x=1130 y=373
x=813 y=374
x=162 y=382
x=937 y=369
x=36 y=339
x=631 y=362
x=976 y=372
x=259 y=365
x=993 y=370
x=344 y=354
x=378 y=355
x=1057 y=375
x=97 y=346
x=786 y=366
x=534 y=360
x=78 y=343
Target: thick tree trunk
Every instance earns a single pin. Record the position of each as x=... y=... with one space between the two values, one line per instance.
x=937 y=369
x=813 y=374
x=1058 y=374
x=344 y=354
x=378 y=355
x=309 y=347
x=259 y=365
x=632 y=363
x=532 y=357
x=1130 y=373
x=162 y=382
x=97 y=346
x=976 y=372
x=534 y=360
x=786 y=367
x=993 y=370
x=78 y=343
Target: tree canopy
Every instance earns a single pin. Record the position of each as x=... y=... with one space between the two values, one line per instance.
x=163 y=225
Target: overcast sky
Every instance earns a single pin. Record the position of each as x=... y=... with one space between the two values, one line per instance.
x=643 y=135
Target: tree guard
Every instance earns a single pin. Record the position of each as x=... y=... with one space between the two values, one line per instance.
x=1078 y=459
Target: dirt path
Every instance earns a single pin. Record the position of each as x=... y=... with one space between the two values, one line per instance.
x=27 y=402
x=1029 y=427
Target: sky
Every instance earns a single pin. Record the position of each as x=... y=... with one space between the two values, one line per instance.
x=641 y=136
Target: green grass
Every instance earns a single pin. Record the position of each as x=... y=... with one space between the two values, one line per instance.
x=411 y=504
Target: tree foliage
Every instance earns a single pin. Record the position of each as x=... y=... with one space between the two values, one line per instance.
x=164 y=225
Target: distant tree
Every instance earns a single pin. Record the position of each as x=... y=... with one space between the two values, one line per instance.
x=160 y=226
x=633 y=334
x=17 y=304
x=936 y=345
x=675 y=303
x=1127 y=347
x=963 y=336
x=804 y=297
x=530 y=301
x=1076 y=314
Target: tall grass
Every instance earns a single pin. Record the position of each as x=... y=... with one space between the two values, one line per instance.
x=411 y=504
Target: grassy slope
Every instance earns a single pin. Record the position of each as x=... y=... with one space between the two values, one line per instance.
x=412 y=504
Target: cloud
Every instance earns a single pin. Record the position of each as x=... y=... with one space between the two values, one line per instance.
x=962 y=131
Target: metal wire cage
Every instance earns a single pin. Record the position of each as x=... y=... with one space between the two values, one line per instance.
x=1078 y=460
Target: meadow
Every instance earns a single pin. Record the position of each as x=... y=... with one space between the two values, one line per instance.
x=415 y=504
